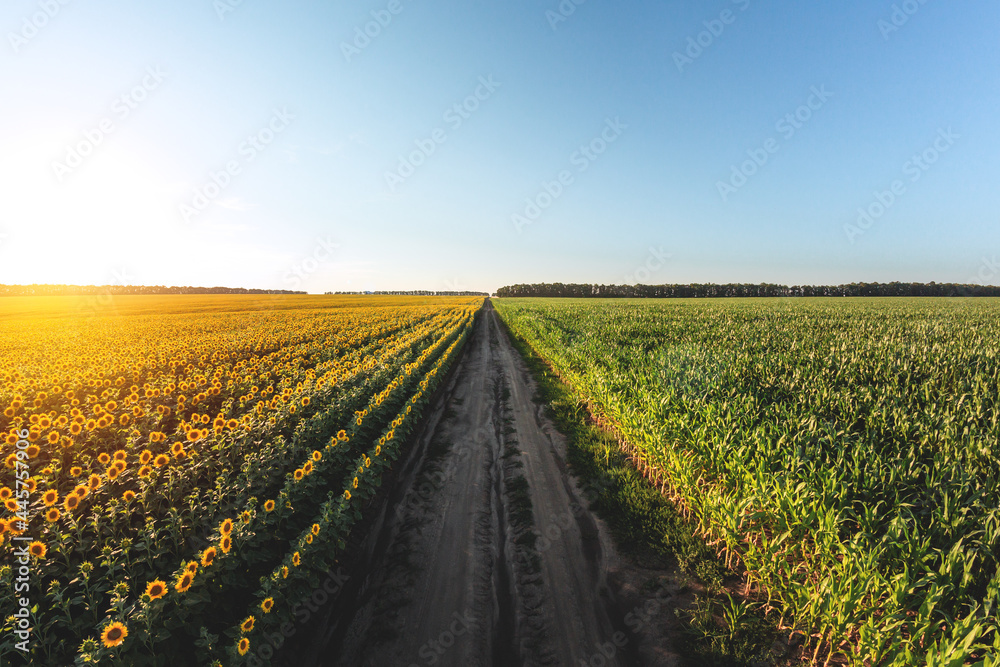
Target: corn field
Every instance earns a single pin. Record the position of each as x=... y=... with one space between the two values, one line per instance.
x=843 y=453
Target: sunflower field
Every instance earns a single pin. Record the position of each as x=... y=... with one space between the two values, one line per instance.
x=843 y=453
x=178 y=471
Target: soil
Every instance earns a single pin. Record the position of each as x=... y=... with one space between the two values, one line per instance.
x=484 y=552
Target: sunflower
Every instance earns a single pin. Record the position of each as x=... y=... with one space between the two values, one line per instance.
x=243 y=646
x=355 y=484
x=113 y=473
x=309 y=538
x=156 y=589
x=315 y=529
x=208 y=556
x=12 y=505
x=308 y=468
x=128 y=496
x=104 y=458
x=378 y=449
x=119 y=466
x=269 y=506
x=145 y=457
x=121 y=455
x=284 y=571
x=266 y=605
x=184 y=582
x=299 y=474
x=31 y=485
x=52 y=515
x=226 y=527
x=161 y=460
x=317 y=455
x=145 y=471
x=53 y=437
x=114 y=634
x=94 y=482
x=75 y=471
x=6 y=494
x=226 y=543
x=71 y=502
x=75 y=428
x=347 y=495
x=81 y=490
x=247 y=625
x=296 y=559
x=37 y=549
x=246 y=516
x=177 y=448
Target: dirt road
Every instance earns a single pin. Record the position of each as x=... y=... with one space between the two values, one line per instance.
x=485 y=553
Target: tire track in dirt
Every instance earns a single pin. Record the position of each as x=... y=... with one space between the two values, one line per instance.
x=456 y=573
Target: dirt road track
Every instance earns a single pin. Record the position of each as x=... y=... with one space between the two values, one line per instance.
x=450 y=574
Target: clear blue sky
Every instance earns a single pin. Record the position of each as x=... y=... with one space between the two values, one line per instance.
x=682 y=127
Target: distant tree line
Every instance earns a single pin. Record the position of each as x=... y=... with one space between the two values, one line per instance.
x=745 y=290
x=418 y=293
x=90 y=290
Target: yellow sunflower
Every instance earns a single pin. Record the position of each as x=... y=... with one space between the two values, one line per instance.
x=156 y=589
x=114 y=634
x=184 y=582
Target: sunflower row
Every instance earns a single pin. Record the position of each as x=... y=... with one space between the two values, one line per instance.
x=336 y=450
x=315 y=549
